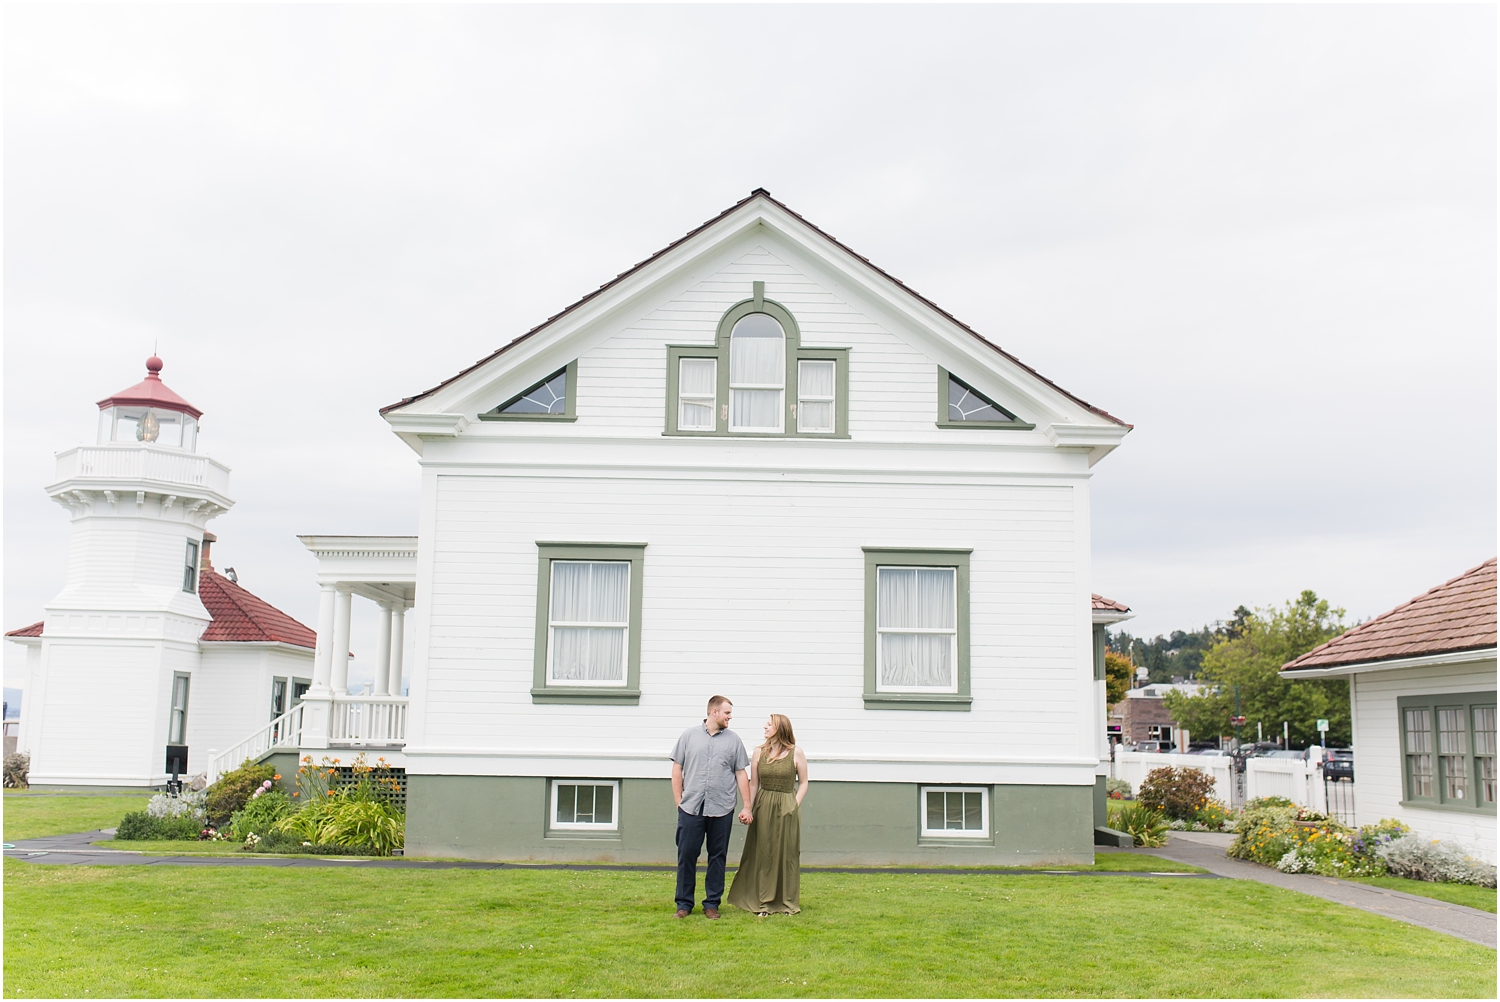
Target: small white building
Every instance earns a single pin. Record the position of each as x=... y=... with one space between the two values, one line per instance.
x=755 y=464
x=1422 y=691
x=147 y=645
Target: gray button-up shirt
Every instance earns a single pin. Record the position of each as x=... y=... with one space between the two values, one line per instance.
x=709 y=763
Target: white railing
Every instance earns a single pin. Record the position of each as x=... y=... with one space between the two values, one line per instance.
x=142 y=462
x=368 y=720
x=283 y=732
x=1132 y=767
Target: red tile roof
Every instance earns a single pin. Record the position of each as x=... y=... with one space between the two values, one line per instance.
x=1458 y=615
x=239 y=616
x=1109 y=604
x=34 y=630
x=151 y=392
x=757 y=193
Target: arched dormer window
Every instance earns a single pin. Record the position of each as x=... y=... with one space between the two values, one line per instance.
x=757 y=379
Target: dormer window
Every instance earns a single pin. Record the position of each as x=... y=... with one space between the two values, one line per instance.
x=757 y=379
x=551 y=399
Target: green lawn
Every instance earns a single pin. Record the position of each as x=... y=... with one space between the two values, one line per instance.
x=264 y=931
x=1482 y=898
x=32 y=815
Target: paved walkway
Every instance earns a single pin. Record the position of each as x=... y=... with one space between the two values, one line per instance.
x=1206 y=849
x=77 y=849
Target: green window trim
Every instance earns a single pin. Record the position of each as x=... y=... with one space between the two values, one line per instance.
x=894 y=556
x=943 y=421
x=570 y=399
x=796 y=352
x=1467 y=702
x=545 y=691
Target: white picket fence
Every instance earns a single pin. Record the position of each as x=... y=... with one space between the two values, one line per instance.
x=1298 y=780
x=1132 y=767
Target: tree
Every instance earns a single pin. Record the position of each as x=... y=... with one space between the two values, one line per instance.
x=1117 y=672
x=1249 y=660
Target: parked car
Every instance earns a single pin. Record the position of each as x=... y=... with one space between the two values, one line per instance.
x=1338 y=763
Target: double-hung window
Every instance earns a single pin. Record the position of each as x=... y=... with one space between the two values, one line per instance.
x=1448 y=751
x=916 y=629
x=588 y=642
x=190 y=568
x=757 y=379
x=177 y=720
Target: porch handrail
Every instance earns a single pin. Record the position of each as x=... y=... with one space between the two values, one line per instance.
x=284 y=731
x=368 y=720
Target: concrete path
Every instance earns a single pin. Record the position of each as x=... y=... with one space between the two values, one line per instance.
x=1206 y=849
x=78 y=849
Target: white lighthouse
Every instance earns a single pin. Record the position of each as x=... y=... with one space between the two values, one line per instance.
x=148 y=645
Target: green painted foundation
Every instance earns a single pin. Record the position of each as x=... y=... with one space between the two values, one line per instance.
x=871 y=824
x=1101 y=802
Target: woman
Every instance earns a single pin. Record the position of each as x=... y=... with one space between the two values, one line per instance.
x=770 y=871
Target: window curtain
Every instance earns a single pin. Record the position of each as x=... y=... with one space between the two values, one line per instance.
x=757 y=357
x=696 y=390
x=590 y=614
x=911 y=599
x=815 y=387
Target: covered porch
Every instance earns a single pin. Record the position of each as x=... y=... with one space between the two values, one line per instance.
x=328 y=721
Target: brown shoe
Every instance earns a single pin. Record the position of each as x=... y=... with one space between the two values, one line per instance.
x=682 y=913
x=710 y=913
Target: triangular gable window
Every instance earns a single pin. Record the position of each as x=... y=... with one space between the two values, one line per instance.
x=549 y=400
x=962 y=405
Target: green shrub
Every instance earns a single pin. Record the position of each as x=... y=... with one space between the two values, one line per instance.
x=17 y=768
x=260 y=814
x=1117 y=788
x=1178 y=793
x=234 y=789
x=283 y=843
x=1214 y=816
x=371 y=824
x=1148 y=827
x=138 y=826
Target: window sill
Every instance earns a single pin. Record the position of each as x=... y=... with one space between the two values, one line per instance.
x=590 y=694
x=988 y=842
x=789 y=436
x=527 y=417
x=918 y=701
x=1433 y=805
x=1011 y=425
x=581 y=835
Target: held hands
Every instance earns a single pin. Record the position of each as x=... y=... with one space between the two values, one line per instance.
x=745 y=816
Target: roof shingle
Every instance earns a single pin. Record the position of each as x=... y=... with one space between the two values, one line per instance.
x=1109 y=604
x=34 y=630
x=240 y=617
x=1458 y=615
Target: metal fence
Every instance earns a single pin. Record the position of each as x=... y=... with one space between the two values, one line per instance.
x=1339 y=795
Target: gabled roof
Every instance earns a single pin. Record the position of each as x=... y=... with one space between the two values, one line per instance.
x=1457 y=615
x=34 y=630
x=240 y=617
x=758 y=193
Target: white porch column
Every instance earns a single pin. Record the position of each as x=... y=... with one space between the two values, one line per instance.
x=382 y=684
x=398 y=645
x=323 y=658
x=339 y=679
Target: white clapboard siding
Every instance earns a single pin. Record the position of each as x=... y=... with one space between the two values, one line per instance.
x=755 y=588
x=1377 y=749
x=892 y=385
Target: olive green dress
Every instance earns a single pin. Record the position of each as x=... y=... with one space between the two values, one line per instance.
x=770 y=872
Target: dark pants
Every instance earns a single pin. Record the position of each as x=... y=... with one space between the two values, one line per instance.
x=691 y=830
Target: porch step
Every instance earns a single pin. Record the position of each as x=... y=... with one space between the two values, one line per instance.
x=1112 y=838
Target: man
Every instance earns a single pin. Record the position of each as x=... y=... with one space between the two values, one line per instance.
x=706 y=765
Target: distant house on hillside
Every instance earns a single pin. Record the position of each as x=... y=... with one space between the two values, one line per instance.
x=1422 y=691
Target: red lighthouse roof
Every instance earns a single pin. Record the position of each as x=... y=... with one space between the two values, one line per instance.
x=151 y=392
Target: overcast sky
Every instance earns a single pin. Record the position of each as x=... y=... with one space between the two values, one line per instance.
x=1265 y=236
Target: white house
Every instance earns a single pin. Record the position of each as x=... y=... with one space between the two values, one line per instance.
x=754 y=464
x=1422 y=692
x=147 y=645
